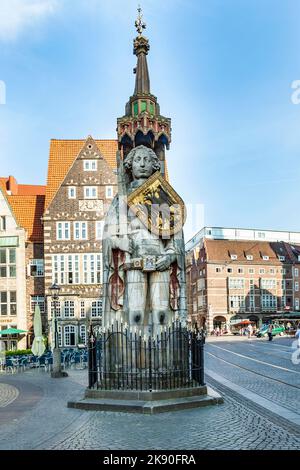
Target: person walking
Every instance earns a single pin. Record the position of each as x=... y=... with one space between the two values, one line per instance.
x=270 y=332
x=249 y=331
x=297 y=334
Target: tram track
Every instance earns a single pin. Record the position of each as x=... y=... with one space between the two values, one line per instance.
x=258 y=392
x=253 y=371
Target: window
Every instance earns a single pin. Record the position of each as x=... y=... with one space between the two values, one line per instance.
x=92 y=269
x=261 y=235
x=233 y=257
x=2 y=223
x=99 y=229
x=37 y=300
x=236 y=283
x=296 y=272
x=229 y=270
x=37 y=267
x=252 y=303
x=143 y=106
x=218 y=270
x=63 y=230
x=251 y=286
x=268 y=284
x=240 y=270
x=283 y=301
x=90 y=192
x=237 y=302
x=70 y=338
x=8 y=262
x=72 y=192
x=55 y=309
x=268 y=302
x=109 y=192
x=251 y=271
x=272 y=271
x=249 y=257
x=69 y=310
x=281 y=258
x=265 y=257
x=261 y=271
x=297 y=304
x=3 y=303
x=97 y=308
x=283 y=271
x=135 y=108
x=80 y=231
x=151 y=107
x=296 y=286
x=283 y=284
x=65 y=269
x=13 y=302
x=90 y=165
x=82 y=333
x=82 y=309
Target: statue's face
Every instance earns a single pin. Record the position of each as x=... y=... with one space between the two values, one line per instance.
x=142 y=166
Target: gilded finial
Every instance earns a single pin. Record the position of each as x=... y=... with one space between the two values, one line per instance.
x=140 y=24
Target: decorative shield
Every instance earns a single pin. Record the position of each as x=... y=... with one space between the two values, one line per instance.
x=158 y=206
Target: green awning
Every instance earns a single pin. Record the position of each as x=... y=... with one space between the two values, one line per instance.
x=12 y=331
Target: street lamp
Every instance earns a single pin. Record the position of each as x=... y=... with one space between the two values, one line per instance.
x=56 y=371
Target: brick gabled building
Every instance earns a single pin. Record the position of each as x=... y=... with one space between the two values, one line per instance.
x=81 y=184
x=238 y=279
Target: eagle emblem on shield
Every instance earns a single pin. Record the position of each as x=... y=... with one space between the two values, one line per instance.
x=158 y=206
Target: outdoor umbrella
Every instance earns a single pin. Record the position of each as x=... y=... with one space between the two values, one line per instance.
x=12 y=331
x=38 y=346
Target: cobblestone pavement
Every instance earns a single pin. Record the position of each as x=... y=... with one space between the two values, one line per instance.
x=8 y=394
x=239 y=423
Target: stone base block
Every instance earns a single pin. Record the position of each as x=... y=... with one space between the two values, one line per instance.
x=147 y=402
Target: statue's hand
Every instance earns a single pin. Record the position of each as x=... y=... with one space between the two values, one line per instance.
x=163 y=263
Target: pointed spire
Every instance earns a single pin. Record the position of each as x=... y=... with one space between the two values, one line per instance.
x=140 y=49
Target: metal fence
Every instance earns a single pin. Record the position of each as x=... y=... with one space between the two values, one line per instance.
x=122 y=359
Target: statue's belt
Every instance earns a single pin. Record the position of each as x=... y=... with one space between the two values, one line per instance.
x=146 y=264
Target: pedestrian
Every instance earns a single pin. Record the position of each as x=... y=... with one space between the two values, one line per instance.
x=297 y=335
x=249 y=331
x=270 y=332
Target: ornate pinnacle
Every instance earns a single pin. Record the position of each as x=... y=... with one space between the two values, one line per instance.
x=140 y=24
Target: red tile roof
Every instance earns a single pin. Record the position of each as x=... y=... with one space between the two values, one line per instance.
x=28 y=211
x=221 y=250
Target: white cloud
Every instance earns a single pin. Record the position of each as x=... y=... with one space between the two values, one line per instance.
x=17 y=15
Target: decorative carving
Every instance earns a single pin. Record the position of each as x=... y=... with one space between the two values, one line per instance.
x=91 y=205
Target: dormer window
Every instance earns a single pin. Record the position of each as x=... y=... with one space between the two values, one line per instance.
x=298 y=257
x=265 y=257
x=249 y=257
x=281 y=258
x=233 y=257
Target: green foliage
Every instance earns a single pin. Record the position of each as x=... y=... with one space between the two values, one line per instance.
x=19 y=352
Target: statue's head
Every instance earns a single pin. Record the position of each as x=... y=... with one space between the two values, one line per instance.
x=141 y=162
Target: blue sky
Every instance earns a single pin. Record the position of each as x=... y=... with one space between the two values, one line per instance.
x=221 y=69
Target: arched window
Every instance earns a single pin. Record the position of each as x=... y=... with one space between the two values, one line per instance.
x=69 y=335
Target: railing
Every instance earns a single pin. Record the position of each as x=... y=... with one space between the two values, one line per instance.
x=123 y=359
